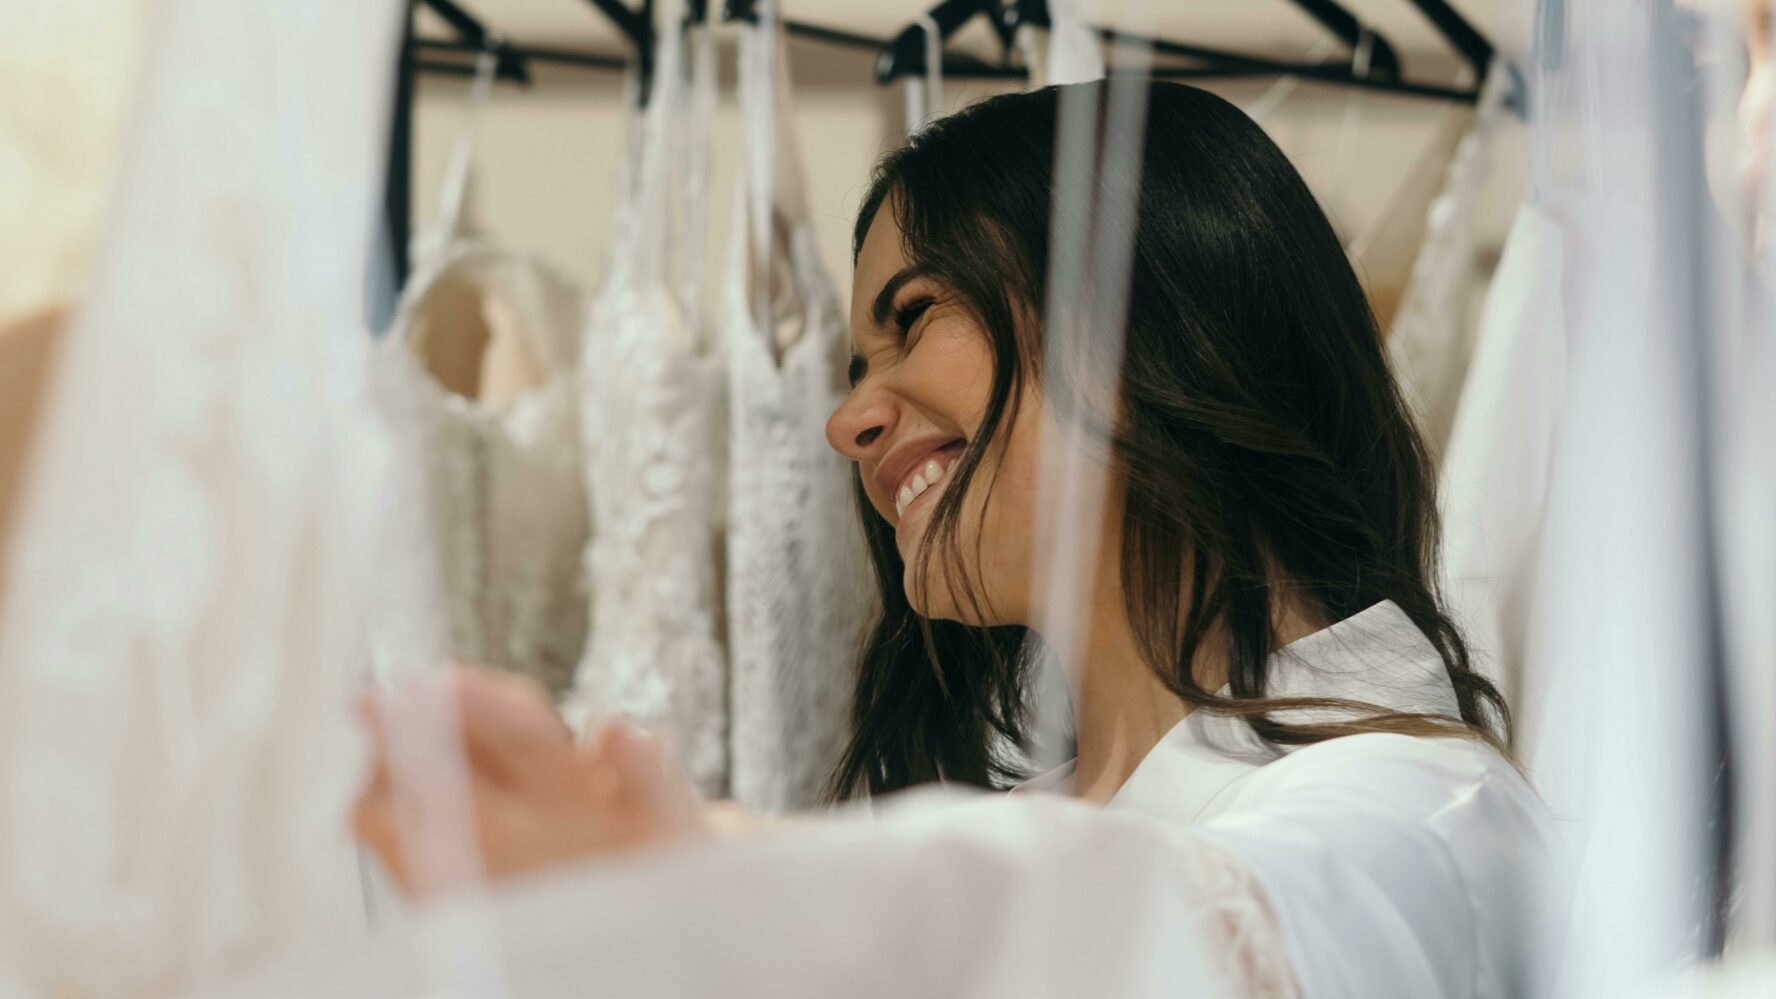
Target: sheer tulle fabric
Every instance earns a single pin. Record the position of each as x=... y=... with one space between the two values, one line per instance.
x=185 y=613
x=1079 y=902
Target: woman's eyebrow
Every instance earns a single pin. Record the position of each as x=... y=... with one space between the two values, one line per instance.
x=884 y=303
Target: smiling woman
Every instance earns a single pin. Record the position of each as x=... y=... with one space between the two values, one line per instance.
x=1266 y=478
x=1303 y=784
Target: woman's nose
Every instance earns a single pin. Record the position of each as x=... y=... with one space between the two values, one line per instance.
x=858 y=429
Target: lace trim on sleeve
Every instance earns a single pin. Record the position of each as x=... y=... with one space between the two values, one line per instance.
x=1240 y=930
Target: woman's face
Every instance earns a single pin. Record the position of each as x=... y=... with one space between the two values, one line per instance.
x=922 y=375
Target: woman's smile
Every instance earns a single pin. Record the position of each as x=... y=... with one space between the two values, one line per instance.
x=911 y=474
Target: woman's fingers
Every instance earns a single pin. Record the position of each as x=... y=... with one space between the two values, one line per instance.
x=509 y=705
x=373 y=824
x=534 y=797
x=652 y=799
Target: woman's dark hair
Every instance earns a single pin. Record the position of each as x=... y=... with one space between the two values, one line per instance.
x=1264 y=442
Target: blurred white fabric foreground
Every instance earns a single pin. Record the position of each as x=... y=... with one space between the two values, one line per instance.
x=65 y=74
x=183 y=628
x=1373 y=865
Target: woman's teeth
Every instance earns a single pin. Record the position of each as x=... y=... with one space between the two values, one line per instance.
x=922 y=480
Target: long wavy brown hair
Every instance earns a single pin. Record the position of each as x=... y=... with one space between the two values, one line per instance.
x=1261 y=438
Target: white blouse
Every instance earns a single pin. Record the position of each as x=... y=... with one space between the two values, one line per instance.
x=1371 y=865
x=1438 y=847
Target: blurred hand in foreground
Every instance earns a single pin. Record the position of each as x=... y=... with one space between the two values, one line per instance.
x=535 y=797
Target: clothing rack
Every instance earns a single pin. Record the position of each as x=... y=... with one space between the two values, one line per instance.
x=901 y=56
x=512 y=63
x=906 y=54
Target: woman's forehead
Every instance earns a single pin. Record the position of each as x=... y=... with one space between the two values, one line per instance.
x=879 y=259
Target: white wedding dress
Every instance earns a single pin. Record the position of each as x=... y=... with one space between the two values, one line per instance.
x=797 y=593
x=184 y=626
x=1430 y=340
x=652 y=429
x=501 y=449
x=1493 y=482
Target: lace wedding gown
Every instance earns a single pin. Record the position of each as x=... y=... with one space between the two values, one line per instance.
x=184 y=624
x=796 y=596
x=651 y=425
x=508 y=492
x=480 y=371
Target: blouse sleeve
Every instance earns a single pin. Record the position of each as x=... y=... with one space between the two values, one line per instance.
x=940 y=894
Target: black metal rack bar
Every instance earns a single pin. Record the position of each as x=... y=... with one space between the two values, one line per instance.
x=398 y=186
x=1460 y=34
x=526 y=53
x=1384 y=62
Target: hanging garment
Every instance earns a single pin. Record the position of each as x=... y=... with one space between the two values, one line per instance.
x=508 y=492
x=1429 y=341
x=1370 y=865
x=1623 y=644
x=797 y=596
x=1746 y=546
x=1494 y=475
x=184 y=627
x=925 y=94
x=480 y=370
x=651 y=424
x=1073 y=55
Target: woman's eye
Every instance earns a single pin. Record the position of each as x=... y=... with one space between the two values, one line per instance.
x=907 y=316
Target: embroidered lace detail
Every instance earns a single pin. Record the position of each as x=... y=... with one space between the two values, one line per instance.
x=184 y=623
x=652 y=426
x=651 y=431
x=796 y=598
x=1239 y=929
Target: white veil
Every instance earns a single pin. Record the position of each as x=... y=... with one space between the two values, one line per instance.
x=185 y=621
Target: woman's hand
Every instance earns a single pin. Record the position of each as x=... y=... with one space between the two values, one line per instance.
x=536 y=798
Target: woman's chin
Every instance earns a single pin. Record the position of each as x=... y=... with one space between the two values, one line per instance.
x=939 y=604
x=928 y=604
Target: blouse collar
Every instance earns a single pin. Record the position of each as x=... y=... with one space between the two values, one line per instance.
x=1377 y=657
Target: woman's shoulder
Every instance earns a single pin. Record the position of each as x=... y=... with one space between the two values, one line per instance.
x=1384 y=771
x=1441 y=839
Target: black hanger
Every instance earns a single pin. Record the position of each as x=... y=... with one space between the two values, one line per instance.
x=638 y=27
x=1460 y=34
x=747 y=11
x=1478 y=51
x=513 y=61
x=905 y=55
x=1384 y=62
x=475 y=37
